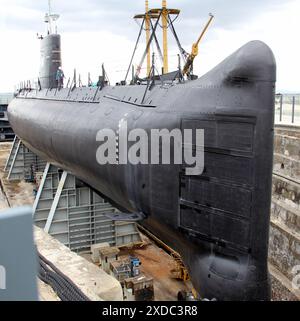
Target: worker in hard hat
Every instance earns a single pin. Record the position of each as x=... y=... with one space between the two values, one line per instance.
x=60 y=78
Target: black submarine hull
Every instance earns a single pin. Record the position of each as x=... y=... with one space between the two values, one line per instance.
x=217 y=221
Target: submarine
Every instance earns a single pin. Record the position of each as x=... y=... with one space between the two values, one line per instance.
x=218 y=220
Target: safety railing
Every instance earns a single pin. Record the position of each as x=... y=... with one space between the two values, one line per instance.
x=287 y=109
x=287 y=106
x=71 y=82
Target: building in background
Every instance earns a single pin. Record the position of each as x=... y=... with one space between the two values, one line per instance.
x=6 y=132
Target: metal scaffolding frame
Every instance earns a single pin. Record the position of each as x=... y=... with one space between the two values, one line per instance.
x=75 y=215
x=65 y=207
x=22 y=163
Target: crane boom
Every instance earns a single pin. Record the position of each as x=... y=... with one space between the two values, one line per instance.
x=189 y=63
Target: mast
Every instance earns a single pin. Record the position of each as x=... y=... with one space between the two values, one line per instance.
x=146 y=18
x=50 y=19
x=155 y=14
x=164 y=18
x=50 y=23
x=147 y=22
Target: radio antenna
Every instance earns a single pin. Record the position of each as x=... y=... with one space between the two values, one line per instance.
x=51 y=19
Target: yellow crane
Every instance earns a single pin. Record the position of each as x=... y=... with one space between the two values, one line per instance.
x=195 y=49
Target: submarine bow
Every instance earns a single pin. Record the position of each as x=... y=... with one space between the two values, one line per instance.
x=217 y=221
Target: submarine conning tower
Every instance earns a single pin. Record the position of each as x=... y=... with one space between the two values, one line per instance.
x=50 y=53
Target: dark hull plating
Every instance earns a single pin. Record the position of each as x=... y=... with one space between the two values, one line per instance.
x=219 y=221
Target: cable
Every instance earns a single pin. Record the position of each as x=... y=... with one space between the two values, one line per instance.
x=60 y=283
x=136 y=45
x=157 y=43
x=147 y=47
x=183 y=53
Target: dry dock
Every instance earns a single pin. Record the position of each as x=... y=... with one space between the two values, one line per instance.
x=156 y=263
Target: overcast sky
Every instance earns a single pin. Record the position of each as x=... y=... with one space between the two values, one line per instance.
x=96 y=31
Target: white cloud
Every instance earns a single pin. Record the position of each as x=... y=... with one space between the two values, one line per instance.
x=278 y=29
x=86 y=50
x=19 y=58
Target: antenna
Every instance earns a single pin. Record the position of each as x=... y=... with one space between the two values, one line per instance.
x=51 y=18
x=49 y=5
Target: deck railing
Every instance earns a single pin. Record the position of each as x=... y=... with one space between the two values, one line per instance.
x=287 y=109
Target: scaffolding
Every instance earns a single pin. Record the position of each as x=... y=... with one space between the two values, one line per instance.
x=65 y=207
x=22 y=163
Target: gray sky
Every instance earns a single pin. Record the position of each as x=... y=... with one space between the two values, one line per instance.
x=96 y=31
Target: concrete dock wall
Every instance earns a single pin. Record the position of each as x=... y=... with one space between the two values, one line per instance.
x=92 y=281
x=284 y=246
